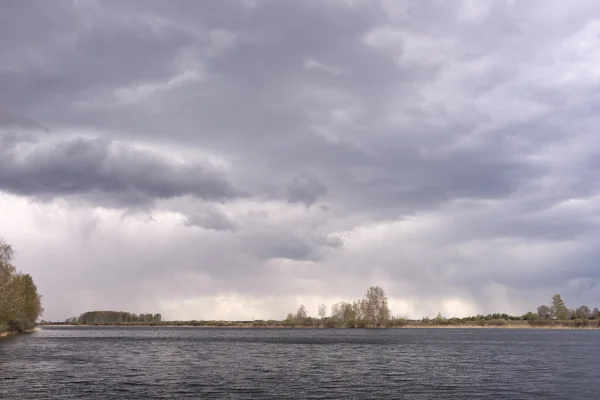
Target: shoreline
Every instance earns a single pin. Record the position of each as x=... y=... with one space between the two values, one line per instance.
x=7 y=334
x=410 y=326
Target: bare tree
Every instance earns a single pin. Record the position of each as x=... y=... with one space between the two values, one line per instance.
x=357 y=309
x=322 y=311
x=343 y=314
x=375 y=307
x=301 y=315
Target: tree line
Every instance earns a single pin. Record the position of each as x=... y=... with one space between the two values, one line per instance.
x=20 y=303
x=112 y=318
x=371 y=311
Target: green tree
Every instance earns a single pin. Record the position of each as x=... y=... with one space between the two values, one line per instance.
x=20 y=303
x=31 y=305
x=530 y=316
x=544 y=312
x=559 y=309
x=290 y=320
x=583 y=312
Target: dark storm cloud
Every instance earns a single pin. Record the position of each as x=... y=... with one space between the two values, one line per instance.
x=97 y=169
x=263 y=96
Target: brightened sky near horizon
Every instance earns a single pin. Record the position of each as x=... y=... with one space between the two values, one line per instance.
x=234 y=159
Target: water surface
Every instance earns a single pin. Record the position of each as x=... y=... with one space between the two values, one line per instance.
x=160 y=363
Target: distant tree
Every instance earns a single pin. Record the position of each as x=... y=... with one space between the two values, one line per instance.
x=583 y=312
x=116 y=318
x=343 y=314
x=544 y=312
x=531 y=316
x=595 y=313
x=358 y=314
x=559 y=310
x=375 y=307
x=322 y=311
x=301 y=315
x=289 y=320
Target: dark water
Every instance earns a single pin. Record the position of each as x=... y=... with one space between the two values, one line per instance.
x=151 y=363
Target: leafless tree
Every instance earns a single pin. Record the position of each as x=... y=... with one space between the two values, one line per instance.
x=322 y=311
x=375 y=307
x=301 y=315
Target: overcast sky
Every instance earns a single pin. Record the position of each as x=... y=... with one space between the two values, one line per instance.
x=234 y=159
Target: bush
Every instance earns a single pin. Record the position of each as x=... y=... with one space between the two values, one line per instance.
x=397 y=322
x=581 y=323
x=540 y=322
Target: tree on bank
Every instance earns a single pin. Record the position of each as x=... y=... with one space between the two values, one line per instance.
x=371 y=311
x=375 y=306
x=544 y=312
x=20 y=303
x=322 y=311
x=559 y=309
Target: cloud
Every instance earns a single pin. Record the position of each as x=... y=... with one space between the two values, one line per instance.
x=106 y=172
x=211 y=219
x=282 y=152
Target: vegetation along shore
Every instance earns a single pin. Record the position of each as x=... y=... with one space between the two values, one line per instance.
x=372 y=311
x=20 y=303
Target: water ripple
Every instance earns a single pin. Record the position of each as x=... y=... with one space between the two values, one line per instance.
x=156 y=363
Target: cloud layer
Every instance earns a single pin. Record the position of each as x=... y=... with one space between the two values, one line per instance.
x=236 y=159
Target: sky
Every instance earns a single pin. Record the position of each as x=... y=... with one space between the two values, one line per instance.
x=235 y=159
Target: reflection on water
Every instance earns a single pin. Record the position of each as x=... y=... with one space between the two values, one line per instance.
x=153 y=363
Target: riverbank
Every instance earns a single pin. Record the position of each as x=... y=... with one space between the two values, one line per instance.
x=6 y=333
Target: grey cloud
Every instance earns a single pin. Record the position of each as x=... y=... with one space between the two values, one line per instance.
x=100 y=170
x=298 y=247
x=211 y=219
x=305 y=189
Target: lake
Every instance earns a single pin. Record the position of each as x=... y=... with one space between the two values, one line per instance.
x=160 y=363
